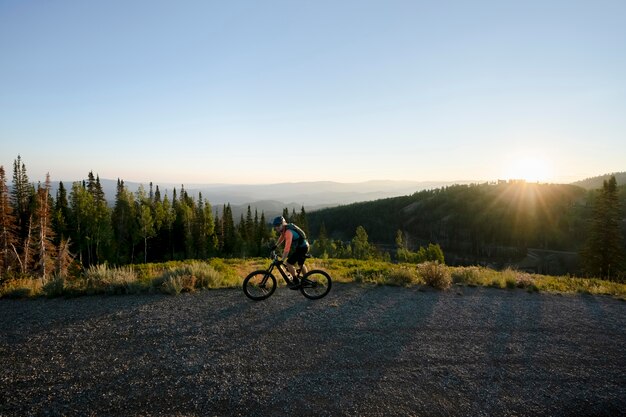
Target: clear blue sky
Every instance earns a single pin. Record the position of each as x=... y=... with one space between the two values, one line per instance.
x=275 y=91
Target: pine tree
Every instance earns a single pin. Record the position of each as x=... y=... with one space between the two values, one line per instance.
x=8 y=236
x=361 y=248
x=44 y=250
x=230 y=233
x=146 y=228
x=603 y=255
x=123 y=221
x=100 y=225
x=321 y=246
x=61 y=214
x=81 y=217
x=21 y=195
x=302 y=221
x=208 y=230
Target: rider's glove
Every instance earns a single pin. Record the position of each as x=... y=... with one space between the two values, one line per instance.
x=273 y=247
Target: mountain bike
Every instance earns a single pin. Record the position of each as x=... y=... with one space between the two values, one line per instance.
x=261 y=284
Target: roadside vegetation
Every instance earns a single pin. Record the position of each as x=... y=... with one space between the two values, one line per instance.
x=177 y=277
x=76 y=243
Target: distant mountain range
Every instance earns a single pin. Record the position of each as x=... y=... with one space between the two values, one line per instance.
x=597 y=182
x=271 y=199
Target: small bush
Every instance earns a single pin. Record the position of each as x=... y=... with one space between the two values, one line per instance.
x=101 y=278
x=187 y=278
x=401 y=277
x=435 y=275
x=466 y=275
x=55 y=287
x=524 y=280
x=367 y=276
x=179 y=283
x=21 y=288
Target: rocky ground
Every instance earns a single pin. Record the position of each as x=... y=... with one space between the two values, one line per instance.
x=361 y=351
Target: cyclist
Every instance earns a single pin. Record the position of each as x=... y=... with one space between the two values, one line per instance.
x=296 y=247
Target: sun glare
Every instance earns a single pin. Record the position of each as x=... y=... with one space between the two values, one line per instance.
x=530 y=169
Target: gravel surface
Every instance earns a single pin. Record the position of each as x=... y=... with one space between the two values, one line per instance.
x=361 y=351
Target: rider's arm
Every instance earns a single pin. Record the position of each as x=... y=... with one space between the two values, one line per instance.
x=288 y=236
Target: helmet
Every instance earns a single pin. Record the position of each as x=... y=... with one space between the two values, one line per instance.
x=278 y=221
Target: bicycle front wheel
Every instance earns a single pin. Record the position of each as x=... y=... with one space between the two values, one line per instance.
x=259 y=285
x=315 y=284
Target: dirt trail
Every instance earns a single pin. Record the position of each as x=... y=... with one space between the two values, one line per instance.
x=362 y=351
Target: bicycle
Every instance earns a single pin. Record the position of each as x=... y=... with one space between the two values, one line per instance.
x=261 y=284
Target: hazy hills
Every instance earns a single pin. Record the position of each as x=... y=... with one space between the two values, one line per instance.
x=273 y=198
x=596 y=182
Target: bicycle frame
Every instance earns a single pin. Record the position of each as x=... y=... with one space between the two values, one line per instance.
x=281 y=268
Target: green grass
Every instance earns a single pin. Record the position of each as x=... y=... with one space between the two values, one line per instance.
x=194 y=275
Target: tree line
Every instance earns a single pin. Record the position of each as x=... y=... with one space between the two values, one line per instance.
x=42 y=234
x=494 y=223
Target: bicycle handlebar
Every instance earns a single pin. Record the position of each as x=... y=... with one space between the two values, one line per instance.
x=274 y=257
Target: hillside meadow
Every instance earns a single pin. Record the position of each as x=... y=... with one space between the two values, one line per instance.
x=176 y=277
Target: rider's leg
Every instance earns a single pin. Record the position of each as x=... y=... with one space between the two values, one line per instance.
x=291 y=269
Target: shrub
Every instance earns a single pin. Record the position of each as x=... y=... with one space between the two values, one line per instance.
x=367 y=276
x=55 y=286
x=176 y=284
x=187 y=278
x=21 y=288
x=401 y=277
x=466 y=275
x=101 y=278
x=435 y=275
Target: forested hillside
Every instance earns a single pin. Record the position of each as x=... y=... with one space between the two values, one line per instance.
x=497 y=224
x=596 y=182
x=479 y=223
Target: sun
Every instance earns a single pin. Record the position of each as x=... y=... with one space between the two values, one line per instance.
x=530 y=169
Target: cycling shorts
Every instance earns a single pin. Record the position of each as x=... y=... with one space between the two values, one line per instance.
x=298 y=255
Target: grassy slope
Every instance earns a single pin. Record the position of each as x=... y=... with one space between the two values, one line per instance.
x=176 y=277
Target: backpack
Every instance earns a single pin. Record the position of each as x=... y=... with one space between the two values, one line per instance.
x=301 y=235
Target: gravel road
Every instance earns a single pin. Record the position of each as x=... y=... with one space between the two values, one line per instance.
x=361 y=351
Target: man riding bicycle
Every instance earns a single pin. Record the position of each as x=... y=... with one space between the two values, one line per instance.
x=296 y=246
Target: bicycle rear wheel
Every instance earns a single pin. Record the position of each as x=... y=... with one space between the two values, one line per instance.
x=315 y=284
x=259 y=285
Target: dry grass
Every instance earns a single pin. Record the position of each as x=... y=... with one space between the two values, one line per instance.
x=187 y=276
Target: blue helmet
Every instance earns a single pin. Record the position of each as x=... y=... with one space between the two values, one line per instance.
x=278 y=221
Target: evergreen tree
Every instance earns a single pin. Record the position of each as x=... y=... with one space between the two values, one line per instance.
x=603 y=255
x=434 y=253
x=402 y=252
x=361 y=248
x=208 y=230
x=81 y=217
x=99 y=230
x=302 y=221
x=263 y=235
x=249 y=227
x=230 y=233
x=157 y=195
x=8 y=236
x=146 y=227
x=61 y=214
x=21 y=195
x=44 y=249
x=321 y=246
x=123 y=222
